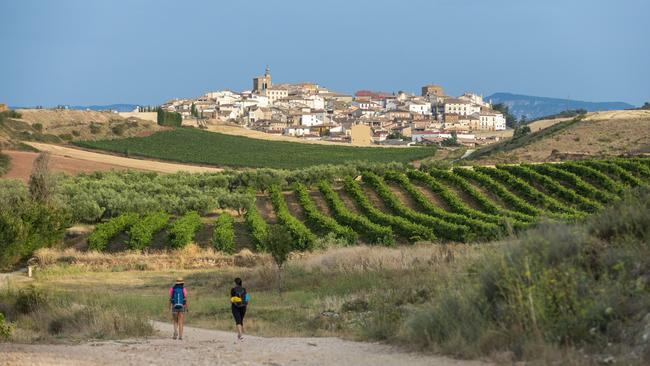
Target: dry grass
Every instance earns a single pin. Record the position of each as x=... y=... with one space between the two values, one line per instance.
x=368 y=258
x=191 y=257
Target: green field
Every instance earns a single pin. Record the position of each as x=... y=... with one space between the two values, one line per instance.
x=190 y=145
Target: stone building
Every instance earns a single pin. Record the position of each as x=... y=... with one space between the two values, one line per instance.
x=261 y=83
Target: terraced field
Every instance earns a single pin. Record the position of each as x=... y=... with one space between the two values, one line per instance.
x=460 y=205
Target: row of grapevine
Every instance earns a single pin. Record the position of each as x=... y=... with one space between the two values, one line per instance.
x=372 y=232
x=610 y=168
x=552 y=186
x=639 y=168
x=440 y=227
x=257 y=226
x=575 y=181
x=141 y=233
x=480 y=229
x=104 y=232
x=182 y=231
x=593 y=175
x=405 y=228
x=483 y=202
x=303 y=238
x=446 y=194
x=223 y=234
x=320 y=222
x=526 y=190
x=499 y=190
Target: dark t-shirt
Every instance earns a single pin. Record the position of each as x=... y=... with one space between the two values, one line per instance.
x=236 y=291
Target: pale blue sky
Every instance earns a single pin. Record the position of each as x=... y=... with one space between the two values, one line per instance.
x=103 y=52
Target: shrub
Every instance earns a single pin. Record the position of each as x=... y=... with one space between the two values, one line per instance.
x=118 y=129
x=6 y=328
x=141 y=233
x=104 y=232
x=182 y=231
x=374 y=233
x=223 y=236
x=26 y=226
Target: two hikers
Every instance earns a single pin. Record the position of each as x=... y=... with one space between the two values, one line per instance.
x=179 y=305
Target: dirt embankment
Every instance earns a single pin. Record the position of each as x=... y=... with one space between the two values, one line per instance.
x=600 y=134
x=208 y=347
x=74 y=161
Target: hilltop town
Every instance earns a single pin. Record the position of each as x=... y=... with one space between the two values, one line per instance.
x=310 y=111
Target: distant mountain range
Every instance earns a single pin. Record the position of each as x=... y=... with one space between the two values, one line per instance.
x=109 y=107
x=534 y=107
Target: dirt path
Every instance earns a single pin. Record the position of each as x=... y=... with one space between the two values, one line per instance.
x=208 y=347
x=142 y=164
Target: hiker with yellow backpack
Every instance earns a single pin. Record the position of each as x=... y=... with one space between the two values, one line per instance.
x=239 y=299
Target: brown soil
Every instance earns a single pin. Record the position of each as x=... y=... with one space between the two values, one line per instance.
x=22 y=161
x=374 y=198
x=348 y=201
x=294 y=206
x=209 y=347
x=90 y=157
x=264 y=206
x=600 y=134
x=431 y=196
x=320 y=202
x=403 y=196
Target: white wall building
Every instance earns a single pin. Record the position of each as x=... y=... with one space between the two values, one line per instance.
x=461 y=107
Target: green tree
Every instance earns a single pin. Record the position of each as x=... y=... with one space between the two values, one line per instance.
x=511 y=120
x=41 y=185
x=278 y=243
x=521 y=131
x=193 y=111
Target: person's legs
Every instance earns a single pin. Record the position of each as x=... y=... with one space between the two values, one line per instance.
x=181 y=317
x=175 y=322
x=243 y=313
x=236 y=313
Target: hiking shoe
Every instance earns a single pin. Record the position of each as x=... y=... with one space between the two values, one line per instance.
x=180 y=338
x=175 y=335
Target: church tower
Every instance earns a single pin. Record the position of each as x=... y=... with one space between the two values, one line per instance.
x=261 y=83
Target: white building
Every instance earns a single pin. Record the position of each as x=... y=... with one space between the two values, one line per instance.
x=474 y=98
x=276 y=93
x=461 y=107
x=420 y=108
x=491 y=121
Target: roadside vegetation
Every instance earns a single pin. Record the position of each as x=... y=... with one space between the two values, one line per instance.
x=541 y=296
x=189 y=145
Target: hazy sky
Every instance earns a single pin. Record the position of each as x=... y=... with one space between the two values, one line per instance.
x=103 y=52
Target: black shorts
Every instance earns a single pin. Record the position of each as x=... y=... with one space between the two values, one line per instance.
x=238 y=313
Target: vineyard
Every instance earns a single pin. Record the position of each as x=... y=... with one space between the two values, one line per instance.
x=395 y=206
x=188 y=145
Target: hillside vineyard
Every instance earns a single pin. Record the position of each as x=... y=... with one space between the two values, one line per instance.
x=434 y=205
